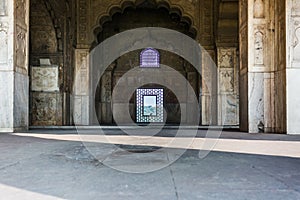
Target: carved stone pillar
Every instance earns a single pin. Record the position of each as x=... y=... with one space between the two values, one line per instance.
x=14 y=26
x=293 y=67
x=208 y=93
x=81 y=99
x=228 y=100
x=260 y=66
x=105 y=97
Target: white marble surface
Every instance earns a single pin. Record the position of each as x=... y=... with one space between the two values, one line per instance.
x=14 y=102
x=293 y=68
x=255 y=101
x=44 y=79
x=81 y=110
x=6 y=101
x=293 y=104
x=21 y=101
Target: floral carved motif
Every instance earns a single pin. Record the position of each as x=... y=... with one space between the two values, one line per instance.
x=259 y=48
x=3 y=42
x=3 y=7
x=21 y=49
x=259 y=9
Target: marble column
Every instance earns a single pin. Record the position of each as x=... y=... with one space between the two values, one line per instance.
x=293 y=66
x=259 y=66
x=14 y=89
x=81 y=100
x=228 y=79
x=208 y=93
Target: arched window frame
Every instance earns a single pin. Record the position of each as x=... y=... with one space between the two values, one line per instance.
x=146 y=53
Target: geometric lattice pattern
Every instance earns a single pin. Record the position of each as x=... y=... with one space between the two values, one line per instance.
x=149 y=105
x=149 y=58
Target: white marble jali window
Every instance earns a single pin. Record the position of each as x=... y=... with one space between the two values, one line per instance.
x=149 y=58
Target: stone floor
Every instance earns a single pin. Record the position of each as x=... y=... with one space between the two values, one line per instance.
x=36 y=166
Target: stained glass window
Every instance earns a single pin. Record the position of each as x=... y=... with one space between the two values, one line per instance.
x=150 y=105
x=149 y=58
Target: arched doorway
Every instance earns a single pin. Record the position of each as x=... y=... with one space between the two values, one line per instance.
x=144 y=15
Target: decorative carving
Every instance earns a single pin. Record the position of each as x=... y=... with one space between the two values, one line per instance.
x=82 y=72
x=296 y=51
x=44 y=79
x=21 y=11
x=296 y=33
x=259 y=9
x=226 y=59
x=21 y=48
x=44 y=109
x=226 y=81
x=3 y=7
x=44 y=41
x=103 y=10
x=43 y=29
x=259 y=48
x=83 y=13
x=106 y=87
x=3 y=42
x=230 y=110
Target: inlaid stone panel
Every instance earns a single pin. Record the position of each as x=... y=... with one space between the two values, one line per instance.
x=46 y=109
x=44 y=79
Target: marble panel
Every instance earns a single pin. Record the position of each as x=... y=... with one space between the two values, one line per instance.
x=259 y=9
x=293 y=68
x=21 y=48
x=228 y=110
x=295 y=7
x=295 y=48
x=6 y=101
x=293 y=99
x=44 y=79
x=21 y=101
x=226 y=81
x=81 y=110
x=256 y=102
x=46 y=109
x=3 y=7
x=4 y=43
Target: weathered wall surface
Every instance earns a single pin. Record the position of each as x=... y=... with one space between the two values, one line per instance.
x=50 y=38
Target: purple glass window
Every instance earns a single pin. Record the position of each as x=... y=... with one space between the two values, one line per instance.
x=149 y=58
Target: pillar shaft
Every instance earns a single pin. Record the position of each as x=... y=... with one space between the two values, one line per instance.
x=81 y=92
x=293 y=67
x=260 y=27
x=14 y=89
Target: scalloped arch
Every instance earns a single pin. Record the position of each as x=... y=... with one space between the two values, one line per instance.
x=119 y=8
